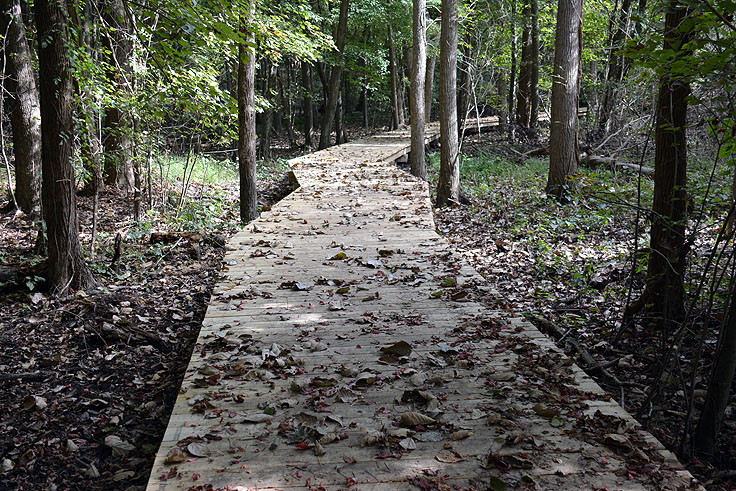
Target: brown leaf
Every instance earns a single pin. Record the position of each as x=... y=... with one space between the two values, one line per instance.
x=449 y=457
x=411 y=418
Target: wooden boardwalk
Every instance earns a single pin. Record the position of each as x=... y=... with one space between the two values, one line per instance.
x=347 y=347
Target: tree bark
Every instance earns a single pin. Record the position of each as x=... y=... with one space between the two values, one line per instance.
x=396 y=119
x=264 y=148
x=428 y=89
x=534 y=69
x=463 y=89
x=66 y=266
x=719 y=388
x=247 y=121
x=308 y=104
x=667 y=243
x=286 y=103
x=448 y=188
x=416 y=94
x=523 y=94
x=25 y=113
x=512 y=74
x=333 y=93
x=117 y=127
x=564 y=155
x=615 y=64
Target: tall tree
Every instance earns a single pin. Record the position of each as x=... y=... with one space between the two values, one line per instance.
x=269 y=70
x=308 y=105
x=564 y=155
x=523 y=95
x=66 y=266
x=528 y=99
x=668 y=250
x=512 y=73
x=416 y=95
x=117 y=124
x=25 y=113
x=719 y=387
x=448 y=187
x=428 y=88
x=247 y=118
x=333 y=92
x=397 y=115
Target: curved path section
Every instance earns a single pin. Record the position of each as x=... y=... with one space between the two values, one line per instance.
x=347 y=347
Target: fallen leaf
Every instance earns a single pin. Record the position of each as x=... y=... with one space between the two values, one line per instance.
x=411 y=418
x=449 y=456
x=175 y=456
x=400 y=348
x=197 y=450
x=120 y=448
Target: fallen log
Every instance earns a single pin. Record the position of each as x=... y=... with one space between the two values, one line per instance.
x=597 y=160
x=14 y=277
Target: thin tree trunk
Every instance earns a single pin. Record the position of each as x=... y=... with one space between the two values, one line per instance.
x=66 y=266
x=564 y=155
x=463 y=91
x=287 y=112
x=333 y=93
x=512 y=74
x=116 y=129
x=534 y=69
x=523 y=94
x=448 y=188
x=247 y=121
x=308 y=104
x=619 y=33
x=25 y=114
x=339 y=131
x=428 y=89
x=267 y=118
x=395 y=122
x=416 y=94
x=365 y=108
x=719 y=388
x=668 y=250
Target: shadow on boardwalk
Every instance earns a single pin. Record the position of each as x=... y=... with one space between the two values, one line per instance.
x=344 y=347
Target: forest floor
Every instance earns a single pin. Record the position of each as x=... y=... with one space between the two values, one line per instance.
x=100 y=370
x=568 y=269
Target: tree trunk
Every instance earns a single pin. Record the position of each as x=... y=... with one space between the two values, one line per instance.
x=267 y=118
x=25 y=113
x=615 y=64
x=286 y=103
x=512 y=74
x=428 y=87
x=534 y=69
x=247 y=121
x=719 y=388
x=523 y=95
x=333 y=93
x=339 y=130
x=66 y=266
x=667 y=243
x=365 y=108
x=395 y=115
x=463 y=90
x=448 y=188
x=308 y=104
x=116 y=129
x=416 y=94
x=564 y=155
